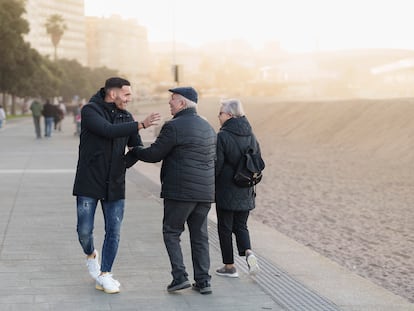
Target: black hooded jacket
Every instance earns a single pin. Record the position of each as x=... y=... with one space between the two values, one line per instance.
x=105 y=132
x=234 y=136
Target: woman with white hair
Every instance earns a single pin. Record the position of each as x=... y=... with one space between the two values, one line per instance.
x=233 y=203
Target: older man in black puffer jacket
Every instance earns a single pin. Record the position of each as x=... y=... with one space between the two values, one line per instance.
x=187 y=147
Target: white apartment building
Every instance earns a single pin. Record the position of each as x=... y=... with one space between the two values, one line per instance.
x=119 y=44
x=73 y=42
x=112 y=42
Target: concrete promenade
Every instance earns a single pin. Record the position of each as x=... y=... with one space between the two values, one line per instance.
x=42 y=266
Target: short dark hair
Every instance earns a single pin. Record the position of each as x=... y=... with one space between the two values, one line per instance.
x=115 y=82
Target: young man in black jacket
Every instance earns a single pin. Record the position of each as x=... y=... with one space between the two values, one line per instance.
x=106 y=129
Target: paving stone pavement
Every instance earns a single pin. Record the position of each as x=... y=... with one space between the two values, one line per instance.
x=42 y=266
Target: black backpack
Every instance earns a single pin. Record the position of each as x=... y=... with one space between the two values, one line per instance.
x=249 y=169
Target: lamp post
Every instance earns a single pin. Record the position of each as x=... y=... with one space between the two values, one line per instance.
x=174 y=67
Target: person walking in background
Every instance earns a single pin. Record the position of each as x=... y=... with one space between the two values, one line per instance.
x=2 y=116
x=233 y=203
x=49 y=112
x=186 y=146
x=59 y=116
x=77 y=118
x=36 y=108
x=107 y=129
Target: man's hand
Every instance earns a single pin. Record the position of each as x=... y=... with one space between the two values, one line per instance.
x=151 y=120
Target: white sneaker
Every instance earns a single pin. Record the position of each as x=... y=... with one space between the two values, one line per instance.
x=252 y=263
x=93 y=265
x=107 y=283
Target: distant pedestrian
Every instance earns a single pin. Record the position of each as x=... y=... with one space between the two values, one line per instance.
x=36 y=108
x=2 y=116
x=59 y=116
x=77 y=118
x=49 y=112
x=233 y=203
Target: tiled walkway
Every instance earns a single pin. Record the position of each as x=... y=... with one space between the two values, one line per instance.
x=42 y=266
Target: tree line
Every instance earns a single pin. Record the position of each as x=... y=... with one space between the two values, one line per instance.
x=24 y=73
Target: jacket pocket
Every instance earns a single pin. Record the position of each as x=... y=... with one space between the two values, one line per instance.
x=97 y=167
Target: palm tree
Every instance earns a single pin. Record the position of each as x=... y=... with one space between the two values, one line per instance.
x=55 y=27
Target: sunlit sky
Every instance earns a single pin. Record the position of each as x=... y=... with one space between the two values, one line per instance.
x=298 y=25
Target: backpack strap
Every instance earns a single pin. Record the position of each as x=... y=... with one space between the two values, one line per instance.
x=240 y=149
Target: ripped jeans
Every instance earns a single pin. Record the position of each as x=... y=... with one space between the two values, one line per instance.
x=113 y=213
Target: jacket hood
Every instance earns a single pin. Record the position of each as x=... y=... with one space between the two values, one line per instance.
x=238 y=126
x=98 y=97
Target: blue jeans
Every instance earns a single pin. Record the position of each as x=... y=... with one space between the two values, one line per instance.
x=113 y=213
x=48 y=126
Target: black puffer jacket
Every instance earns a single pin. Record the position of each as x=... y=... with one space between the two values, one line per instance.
x=105 y=132
x=235 y=135
x=187 y=147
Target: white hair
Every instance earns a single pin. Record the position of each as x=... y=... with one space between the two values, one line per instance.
x=233 y=107
x=188 y=103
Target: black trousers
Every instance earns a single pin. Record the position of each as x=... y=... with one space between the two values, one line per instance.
x=229 y=222
x=176 y=214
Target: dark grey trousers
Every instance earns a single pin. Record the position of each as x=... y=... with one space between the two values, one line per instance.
x=176 y=214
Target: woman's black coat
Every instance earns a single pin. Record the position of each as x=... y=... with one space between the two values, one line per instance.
x=234 y=136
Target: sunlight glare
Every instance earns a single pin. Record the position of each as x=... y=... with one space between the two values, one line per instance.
x=298 y=25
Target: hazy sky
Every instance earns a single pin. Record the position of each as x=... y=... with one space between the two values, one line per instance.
x=298 y=25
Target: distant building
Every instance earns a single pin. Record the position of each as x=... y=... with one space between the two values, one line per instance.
x=395 y=79
x=73 y=43
x=118 y=44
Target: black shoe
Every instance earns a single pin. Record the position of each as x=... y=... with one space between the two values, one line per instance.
x=204 y=288
x=177 y=285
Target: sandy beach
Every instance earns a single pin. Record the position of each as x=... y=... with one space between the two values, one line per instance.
x=339 y=179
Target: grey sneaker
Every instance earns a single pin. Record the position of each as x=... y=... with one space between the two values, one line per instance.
x=230 y=273
x=204 y=288
x=251 y=260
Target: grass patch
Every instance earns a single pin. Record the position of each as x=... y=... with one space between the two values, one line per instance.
x=17 y=116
